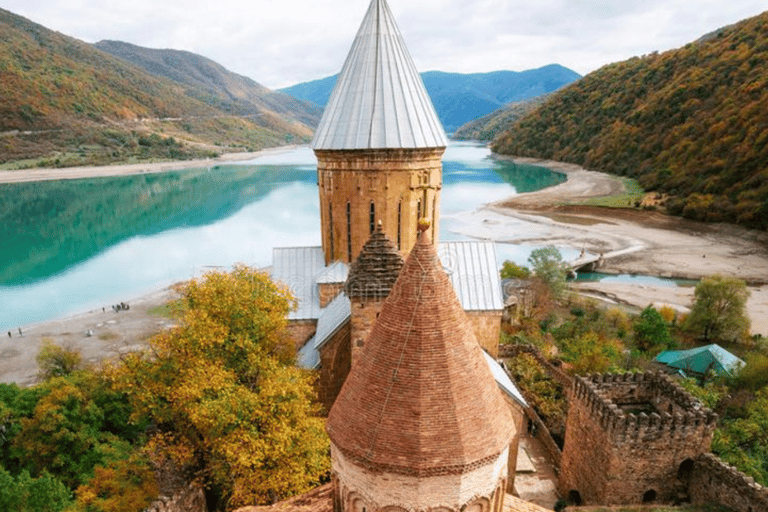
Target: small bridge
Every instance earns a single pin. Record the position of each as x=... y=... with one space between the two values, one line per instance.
x=585 y=263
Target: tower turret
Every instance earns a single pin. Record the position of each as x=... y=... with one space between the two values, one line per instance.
x=379 y=145
x=420 y=423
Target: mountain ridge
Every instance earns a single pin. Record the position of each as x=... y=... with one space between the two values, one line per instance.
x=461 y=97
x=65 y=102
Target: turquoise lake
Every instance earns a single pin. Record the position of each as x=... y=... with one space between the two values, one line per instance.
x=73 y=245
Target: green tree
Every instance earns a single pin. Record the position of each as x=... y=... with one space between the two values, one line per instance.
x=547 y=264
x=228 y=402
x=26 y=494
x=511 y=270
x=651 y=332
x=719 y=309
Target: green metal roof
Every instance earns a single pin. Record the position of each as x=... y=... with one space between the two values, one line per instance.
x=702 y=359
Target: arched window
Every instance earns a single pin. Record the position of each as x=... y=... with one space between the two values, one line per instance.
x=349 y=233
x=574 y=497
x=649 y=496
x=685 y=470
x=372 y=218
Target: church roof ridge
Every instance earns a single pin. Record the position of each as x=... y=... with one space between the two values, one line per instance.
x=421 y=398
x=379 y=101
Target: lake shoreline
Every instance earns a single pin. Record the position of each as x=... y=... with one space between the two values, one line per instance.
x=103 y=171
x=638 y=242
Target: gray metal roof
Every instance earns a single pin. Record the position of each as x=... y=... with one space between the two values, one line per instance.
x=474 y=274
x=503 y=380
x=337 y=272
x=331 y=319
x=298 y=268
x=379 y=100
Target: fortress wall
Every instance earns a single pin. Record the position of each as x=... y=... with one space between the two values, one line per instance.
x=713 y=481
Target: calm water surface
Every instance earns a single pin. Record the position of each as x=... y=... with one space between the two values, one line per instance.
x=70 y=246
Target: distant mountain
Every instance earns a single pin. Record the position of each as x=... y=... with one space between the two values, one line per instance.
x=490 y=125
x=690 y=122
x=65 y=102
x=211 y=83
x=459 y=98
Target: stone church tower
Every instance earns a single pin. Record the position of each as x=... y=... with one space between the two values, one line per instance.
x=379 y=145
x=371 y=278
x=420 y=423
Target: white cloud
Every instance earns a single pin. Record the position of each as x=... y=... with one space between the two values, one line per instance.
x=281 y=43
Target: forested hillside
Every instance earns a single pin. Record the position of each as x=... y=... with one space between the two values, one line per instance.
x=210 y=82
x=66 y=101
x=490 y=125
x=691 y=122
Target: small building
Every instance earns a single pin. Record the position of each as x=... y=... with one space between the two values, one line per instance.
x=700 y=361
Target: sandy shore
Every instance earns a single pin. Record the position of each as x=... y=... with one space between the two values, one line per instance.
x=632 y=241
x=71 y=173
x=635 y=242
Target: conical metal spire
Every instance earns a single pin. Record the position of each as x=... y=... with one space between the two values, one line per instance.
x=379 y=101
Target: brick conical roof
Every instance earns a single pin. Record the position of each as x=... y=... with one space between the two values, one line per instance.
x=374 y=272
x=421 y=399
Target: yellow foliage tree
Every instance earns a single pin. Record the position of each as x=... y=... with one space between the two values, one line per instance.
x=228 y=403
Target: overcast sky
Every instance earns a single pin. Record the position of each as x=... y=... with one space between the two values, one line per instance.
x=283 y=42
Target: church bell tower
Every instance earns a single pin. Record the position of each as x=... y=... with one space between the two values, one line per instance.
x=379 y=145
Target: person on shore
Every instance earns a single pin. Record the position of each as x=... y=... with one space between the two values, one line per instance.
x=9 y=334
x=20 y=334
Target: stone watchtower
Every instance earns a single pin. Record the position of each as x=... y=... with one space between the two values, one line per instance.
x=420 y=423
x=631 y=439
x=379 y=145
x=371 y=278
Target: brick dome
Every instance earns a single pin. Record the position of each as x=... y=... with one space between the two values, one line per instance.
x=421 y=400
x=374 y=272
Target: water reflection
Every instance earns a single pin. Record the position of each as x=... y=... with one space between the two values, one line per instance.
x=69 y=246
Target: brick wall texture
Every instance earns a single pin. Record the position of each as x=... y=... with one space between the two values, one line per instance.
x=614 y=457
x=395 y=181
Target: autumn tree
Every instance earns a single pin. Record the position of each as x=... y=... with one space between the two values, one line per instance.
x=228 y=402
x=719 y=309
x=57 y=361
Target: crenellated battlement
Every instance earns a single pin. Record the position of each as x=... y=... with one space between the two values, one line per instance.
x=603 y=396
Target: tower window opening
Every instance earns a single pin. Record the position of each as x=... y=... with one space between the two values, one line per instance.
x=372 y=218
x=399 y=223
x=649 y=496
x=434 y=219
x=330 y=229
x=418 y=214
x=349 y=233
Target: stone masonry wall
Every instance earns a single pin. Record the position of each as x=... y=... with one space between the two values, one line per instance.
x=487 y=328
x=615 y=458
x=363 y=315
x=713 y=481
x=190 y=499
x=385 y=178
x=299 y=331
x=335 y=363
